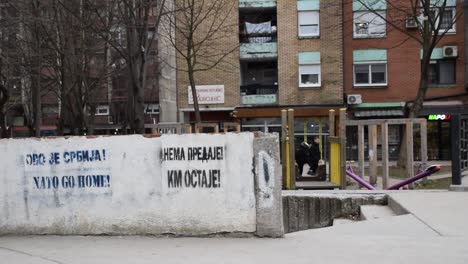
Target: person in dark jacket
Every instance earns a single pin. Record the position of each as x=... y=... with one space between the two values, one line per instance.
x=303 y=156
x=314 y=155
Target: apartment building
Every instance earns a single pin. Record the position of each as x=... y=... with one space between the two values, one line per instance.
x=383 y=68
x=289 y=57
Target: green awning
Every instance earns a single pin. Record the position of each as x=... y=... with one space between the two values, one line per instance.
x=380 y=105
x=369 y=55
x=437 y=54
x=379 y=113
x=363 y=5
x=309 y=57
x=308 y=5
x=441 y=2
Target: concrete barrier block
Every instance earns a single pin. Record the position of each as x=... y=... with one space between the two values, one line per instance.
x=314 y=212
x=293 y=223
x=285 y=214
x=303 y=214
x=325 y=216
x=268 y=184
x=189 y=185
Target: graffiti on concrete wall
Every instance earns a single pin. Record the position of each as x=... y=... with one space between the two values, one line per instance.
x=40 y=168
x=203 y=169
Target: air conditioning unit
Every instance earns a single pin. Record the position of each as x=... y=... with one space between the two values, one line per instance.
x=411 y=22
x=354 y=99
x=450 y=51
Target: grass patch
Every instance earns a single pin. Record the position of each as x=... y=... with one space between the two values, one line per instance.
x=435 y=184
x=398 y=172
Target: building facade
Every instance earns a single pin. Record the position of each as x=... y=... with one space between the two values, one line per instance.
x=289 y=56
x=383 y=68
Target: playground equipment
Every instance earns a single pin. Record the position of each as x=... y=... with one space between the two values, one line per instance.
x=336 y=150
x=428 y=171
x=297 y=128
x=338 y=168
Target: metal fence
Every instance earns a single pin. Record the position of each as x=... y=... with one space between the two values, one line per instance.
x=459 y=137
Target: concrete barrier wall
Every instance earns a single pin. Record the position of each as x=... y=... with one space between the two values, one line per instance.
x=304 y=210
x=176 y=184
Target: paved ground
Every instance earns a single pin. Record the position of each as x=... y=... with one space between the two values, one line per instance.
x=436 y=232
x=444 y=212
x=312 y=246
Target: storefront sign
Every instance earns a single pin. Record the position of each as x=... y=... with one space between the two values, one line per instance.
x=439 y=117
x=208 y=94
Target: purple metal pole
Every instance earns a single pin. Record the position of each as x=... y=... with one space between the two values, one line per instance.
x=360 y=180
x=423 y=174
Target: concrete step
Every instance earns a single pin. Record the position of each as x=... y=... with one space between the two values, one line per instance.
x=343 y=221
x=372 y=212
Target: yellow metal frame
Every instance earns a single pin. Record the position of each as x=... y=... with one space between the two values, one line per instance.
x=335 y=160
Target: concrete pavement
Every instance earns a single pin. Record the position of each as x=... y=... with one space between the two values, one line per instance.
x=444 y=212
x=312 y=246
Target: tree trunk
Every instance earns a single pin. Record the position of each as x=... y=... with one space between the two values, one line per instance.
x=194 y=95
x=91 y=119
x=139 y=106
x=140 y=92
x=417 y=106
x=4 y=97
x=37 y=111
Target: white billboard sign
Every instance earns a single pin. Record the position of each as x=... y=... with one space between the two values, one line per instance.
x=208 y=94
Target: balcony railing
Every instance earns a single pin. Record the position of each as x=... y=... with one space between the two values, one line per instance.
x=257 y=3
x=258 y=51
x=258 y=37
x=259 y=94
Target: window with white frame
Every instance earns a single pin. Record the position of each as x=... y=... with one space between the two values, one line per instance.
x=119 y=36
x=152 y=109
x=445 y=18
x=370 y=73
x=309 y=23
x=102 y=110
x=369 y=24
x=309 y=75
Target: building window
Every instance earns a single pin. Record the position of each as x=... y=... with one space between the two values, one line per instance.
x=369 y=18
x=309 y=75
x=446 y=19
x=442 y=72
x=102 y=110
x=368 y=24
x=152 y=109
x=309 y=23
x=370 y=74
x=118 y=35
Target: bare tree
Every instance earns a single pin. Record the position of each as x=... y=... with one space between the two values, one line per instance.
x=129 y=27
x=77 y=65
x=196 y=30
x=21 y=58
x=28 y=22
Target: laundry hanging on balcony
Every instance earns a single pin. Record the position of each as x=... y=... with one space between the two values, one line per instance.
x=259 y=29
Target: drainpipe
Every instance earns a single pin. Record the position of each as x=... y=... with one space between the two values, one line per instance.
x=343 y=46
x=465 y=12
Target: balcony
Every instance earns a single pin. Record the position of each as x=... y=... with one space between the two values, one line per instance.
x=257 y=3
x=258 y=36
x=256 y=51
x=259 y=94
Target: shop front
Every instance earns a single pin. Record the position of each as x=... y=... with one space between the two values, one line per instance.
x=309 y=123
